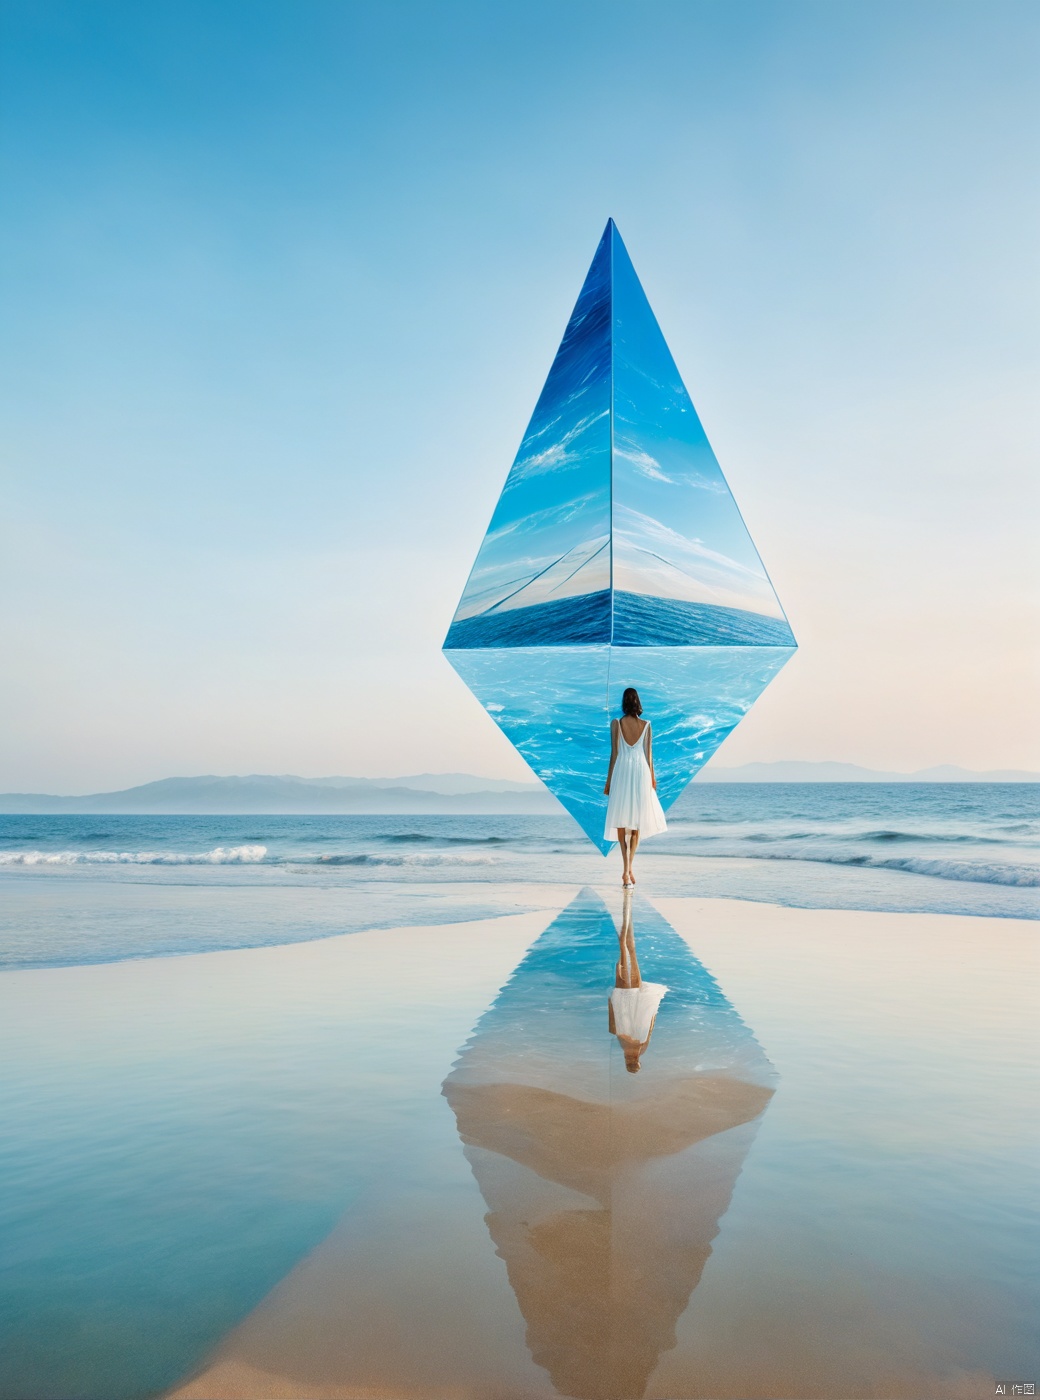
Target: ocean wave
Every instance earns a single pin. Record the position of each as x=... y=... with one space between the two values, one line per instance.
x=891 y=837
x=411 y=837
x=978 y=872
x=432 y=859
x=880 y=837
x=220 y=855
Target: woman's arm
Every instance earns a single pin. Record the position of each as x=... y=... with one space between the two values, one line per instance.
x=610 y=1014
x=650 y=756
x=614 y=726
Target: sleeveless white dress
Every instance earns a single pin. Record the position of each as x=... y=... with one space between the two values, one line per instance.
x=633 y=802
x=635 y=1008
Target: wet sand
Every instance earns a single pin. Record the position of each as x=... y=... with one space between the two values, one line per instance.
x=544 y=1240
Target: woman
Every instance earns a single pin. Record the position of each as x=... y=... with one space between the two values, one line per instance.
x=633 y=1002
x=633 y=809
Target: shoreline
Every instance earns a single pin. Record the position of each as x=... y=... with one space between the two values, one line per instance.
x=79 y=916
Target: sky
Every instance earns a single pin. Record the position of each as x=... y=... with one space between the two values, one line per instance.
x=282 y=283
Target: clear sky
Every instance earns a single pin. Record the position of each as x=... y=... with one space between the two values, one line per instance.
x=282 y=283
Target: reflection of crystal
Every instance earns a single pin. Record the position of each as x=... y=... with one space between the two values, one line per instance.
x=605 y=1189
x=616 y=556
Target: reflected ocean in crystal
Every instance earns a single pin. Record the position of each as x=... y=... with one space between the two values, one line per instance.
x=555 y=705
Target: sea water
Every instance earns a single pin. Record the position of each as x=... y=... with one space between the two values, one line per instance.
x=82 y=889
x=179 y=1132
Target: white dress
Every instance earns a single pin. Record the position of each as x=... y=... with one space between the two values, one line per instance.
x=633 y=802
x=635 y=1008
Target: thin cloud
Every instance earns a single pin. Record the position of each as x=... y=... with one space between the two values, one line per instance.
x=558 y=454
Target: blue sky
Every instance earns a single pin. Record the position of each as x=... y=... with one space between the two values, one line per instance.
x=283 y=282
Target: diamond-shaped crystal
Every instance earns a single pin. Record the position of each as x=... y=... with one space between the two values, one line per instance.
x=616 y=556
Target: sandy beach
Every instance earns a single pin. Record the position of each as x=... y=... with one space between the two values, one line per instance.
x=825 y=1227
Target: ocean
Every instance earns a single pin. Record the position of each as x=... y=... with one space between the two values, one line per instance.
x=84 y=889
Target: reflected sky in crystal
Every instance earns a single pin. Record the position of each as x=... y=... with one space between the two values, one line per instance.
x=549 y=537
x=677 y=530
x=616 y=507
x=555 y=703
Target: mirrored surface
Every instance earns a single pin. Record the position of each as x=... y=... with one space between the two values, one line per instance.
x=616 y=523
x=685 y=569
x=543 y=571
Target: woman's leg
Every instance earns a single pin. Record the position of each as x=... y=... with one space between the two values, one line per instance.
x=633 y=842
x=629 y=939
x=627 y=971
x=621 y=972
x=622 y=837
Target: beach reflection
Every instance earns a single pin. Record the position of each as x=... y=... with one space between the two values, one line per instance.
x=605 y=1187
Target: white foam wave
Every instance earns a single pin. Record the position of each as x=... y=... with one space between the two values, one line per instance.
x=985 y=873
x=220 y=855
x=979 y=872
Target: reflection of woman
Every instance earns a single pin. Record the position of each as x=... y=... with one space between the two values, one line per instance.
x=633 y=809
x=633 y=1002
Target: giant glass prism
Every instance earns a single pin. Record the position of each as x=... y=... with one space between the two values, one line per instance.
x=616 y=556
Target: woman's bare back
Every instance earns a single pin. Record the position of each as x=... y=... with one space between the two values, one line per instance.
x=634 y=730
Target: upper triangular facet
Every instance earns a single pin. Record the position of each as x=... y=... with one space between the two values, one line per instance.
x=542 y=576
x=685 y=570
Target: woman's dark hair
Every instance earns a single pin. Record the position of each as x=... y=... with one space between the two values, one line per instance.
x=630 y=703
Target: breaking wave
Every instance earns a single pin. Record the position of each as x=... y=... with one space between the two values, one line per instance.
x=220 y=855
x=718 y=831
x=979 y=872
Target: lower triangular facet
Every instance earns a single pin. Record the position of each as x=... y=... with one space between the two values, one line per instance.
x=555 y=705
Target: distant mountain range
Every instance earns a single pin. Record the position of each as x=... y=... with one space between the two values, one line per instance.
x=273 y=793
x=431 y=792
x=793 y=772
